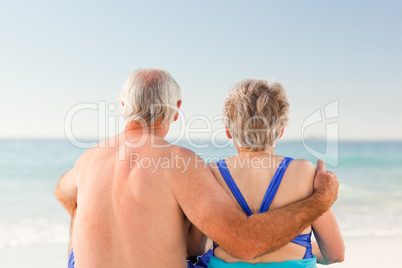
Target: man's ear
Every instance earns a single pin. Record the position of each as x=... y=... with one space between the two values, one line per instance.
x=283 y=129
x=227 y=132
x=177 y=113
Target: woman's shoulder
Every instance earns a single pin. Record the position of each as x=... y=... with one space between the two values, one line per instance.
x=302 y=170
x=302 y=165
x=298 y=165
x=298 y=181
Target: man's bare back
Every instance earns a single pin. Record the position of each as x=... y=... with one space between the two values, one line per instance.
x=127 y=213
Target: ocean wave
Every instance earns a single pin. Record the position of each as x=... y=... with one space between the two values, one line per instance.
x=36 y=231
x=369 y=232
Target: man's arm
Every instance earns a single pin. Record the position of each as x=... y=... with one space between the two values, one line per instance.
x=70 y=246
x=209 y=207
x=66 y=191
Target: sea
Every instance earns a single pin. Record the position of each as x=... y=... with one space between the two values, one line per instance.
x=369 y=202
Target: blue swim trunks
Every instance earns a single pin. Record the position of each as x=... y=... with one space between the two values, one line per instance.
x=71 y=260
x=202 y=261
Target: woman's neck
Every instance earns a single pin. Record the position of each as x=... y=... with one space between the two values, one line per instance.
x=244 y=151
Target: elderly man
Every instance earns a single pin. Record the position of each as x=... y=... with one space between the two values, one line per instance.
x=130 y=213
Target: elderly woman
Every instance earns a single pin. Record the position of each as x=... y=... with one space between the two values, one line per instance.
x=255 y=115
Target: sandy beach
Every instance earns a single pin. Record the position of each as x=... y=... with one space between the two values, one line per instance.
x=43 y=256
x=360 y=253
x=371 y=252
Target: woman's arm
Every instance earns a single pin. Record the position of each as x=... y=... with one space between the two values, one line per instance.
x=329 y=247
x=197 y=242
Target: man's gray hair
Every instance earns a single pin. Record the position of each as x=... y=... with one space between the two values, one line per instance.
x=148 y=95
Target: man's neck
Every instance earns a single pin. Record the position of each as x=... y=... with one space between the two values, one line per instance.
x=158 y=128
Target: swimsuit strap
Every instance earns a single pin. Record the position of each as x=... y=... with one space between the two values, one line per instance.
x=274 y=184
x=305 y=241
x=233 y=187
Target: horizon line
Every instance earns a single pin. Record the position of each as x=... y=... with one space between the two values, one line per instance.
x=204 y=139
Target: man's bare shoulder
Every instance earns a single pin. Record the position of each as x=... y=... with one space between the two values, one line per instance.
x=89 y=154
x=84 y=158
x=183 y=152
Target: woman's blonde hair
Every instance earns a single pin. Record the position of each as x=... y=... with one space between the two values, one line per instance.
x=255 y=113
x=150 y=94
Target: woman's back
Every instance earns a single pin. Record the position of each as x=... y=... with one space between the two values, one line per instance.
x=252 y=172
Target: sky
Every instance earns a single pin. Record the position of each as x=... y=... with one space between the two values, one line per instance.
x=59 y=56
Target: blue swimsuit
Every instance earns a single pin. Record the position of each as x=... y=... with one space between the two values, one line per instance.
x=304 y=240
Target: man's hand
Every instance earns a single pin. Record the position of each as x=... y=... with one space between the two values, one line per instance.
x=326 y=184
